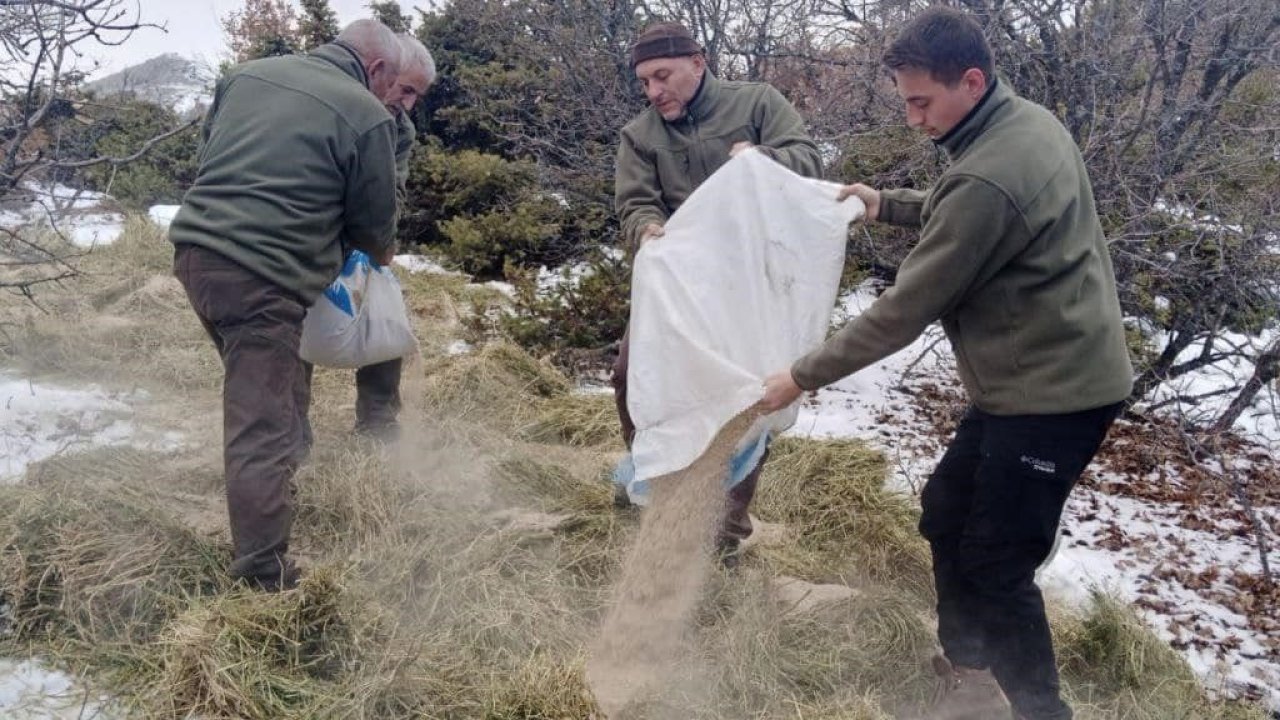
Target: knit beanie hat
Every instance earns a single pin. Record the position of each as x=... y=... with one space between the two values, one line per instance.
x=663 y=39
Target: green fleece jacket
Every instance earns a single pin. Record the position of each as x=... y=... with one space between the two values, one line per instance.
x=297 y=159
x=659 y=163
x=405 y=135
x=1012 y=259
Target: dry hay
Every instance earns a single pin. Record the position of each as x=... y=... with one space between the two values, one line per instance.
x=249 y=655
x=578 y=420
x=590 y=543
x=98 y=565
x=769 y=658
x=543 y=688
x=418 y=604
x=499 y=386
x=1115 y=668
x=848 y=528
x=125 y=309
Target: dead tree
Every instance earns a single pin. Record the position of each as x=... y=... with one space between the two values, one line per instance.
x=1266 y=369
x=40 y=43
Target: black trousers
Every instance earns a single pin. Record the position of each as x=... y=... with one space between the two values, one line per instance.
x=991 y=511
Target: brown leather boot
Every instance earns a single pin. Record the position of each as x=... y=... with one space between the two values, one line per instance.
x=966 y=694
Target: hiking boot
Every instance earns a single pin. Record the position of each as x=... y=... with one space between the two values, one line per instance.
x=383 y=432
x=729 y=552
x=287 y=579
x=965 y=693
x=621 y=500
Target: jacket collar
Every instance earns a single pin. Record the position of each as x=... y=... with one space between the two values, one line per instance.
x=967 y=130
x=705 y=100
x=345 y=58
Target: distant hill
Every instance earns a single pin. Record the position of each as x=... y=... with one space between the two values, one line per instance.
x=170 y=80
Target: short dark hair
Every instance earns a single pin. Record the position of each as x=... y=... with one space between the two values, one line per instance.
x=943 y=41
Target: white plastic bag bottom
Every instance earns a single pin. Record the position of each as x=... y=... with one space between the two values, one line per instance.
x=740 y=466
x=359 y=320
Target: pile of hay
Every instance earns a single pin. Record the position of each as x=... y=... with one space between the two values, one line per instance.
x=124 y=316
x=1115 y=669
x=847 y=527
x=90 y=561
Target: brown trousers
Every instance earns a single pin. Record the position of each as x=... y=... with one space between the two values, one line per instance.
x=256 y=327
x=737 y=521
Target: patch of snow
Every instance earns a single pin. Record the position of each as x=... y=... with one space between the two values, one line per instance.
x=30 y=691
x=59 y=196
x=1152 y=568
x=550 y=280
x=11 y=219
x=505 y=288
x=1203 y=394
x=163 y=215
x=68 y=211
x=38 y=421
x=829 y=152
x=88 y=231
x=458 y=347
x=875 y=404
x=1181 y=211
x=422 y=263
x=186 y=101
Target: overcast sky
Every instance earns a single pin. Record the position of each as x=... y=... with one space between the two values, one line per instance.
x=195 y=30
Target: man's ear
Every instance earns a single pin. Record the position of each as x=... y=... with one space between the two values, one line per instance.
x=975 y=82
x=377 y=67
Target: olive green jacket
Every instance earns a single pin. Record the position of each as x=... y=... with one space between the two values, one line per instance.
x=660 y=163
x=406 y=134
x=1012 y=260
x=298 y=158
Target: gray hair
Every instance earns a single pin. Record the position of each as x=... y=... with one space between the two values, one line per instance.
x=416 y=55
x=373 y=41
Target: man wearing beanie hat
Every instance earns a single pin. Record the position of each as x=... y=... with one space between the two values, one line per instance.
x=694 y=123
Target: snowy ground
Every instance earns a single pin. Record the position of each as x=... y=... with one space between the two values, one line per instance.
x=1203 y=395
x=38 y=421
x=31 y=691
x=1187 y=566
x=77 y=215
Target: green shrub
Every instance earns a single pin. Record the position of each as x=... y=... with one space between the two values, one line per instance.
x=162 y=175
x=486 y=211
x=587 y=308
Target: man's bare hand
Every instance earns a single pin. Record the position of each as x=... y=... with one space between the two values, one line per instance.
x=868 y=195
x=780 y=390
x=651 y=232
x=385 y=257
x=740 y=146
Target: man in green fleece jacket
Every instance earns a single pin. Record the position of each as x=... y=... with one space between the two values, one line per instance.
x=297 y=160
x=1012 y=260
x=378 y=385
x=695 y=122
